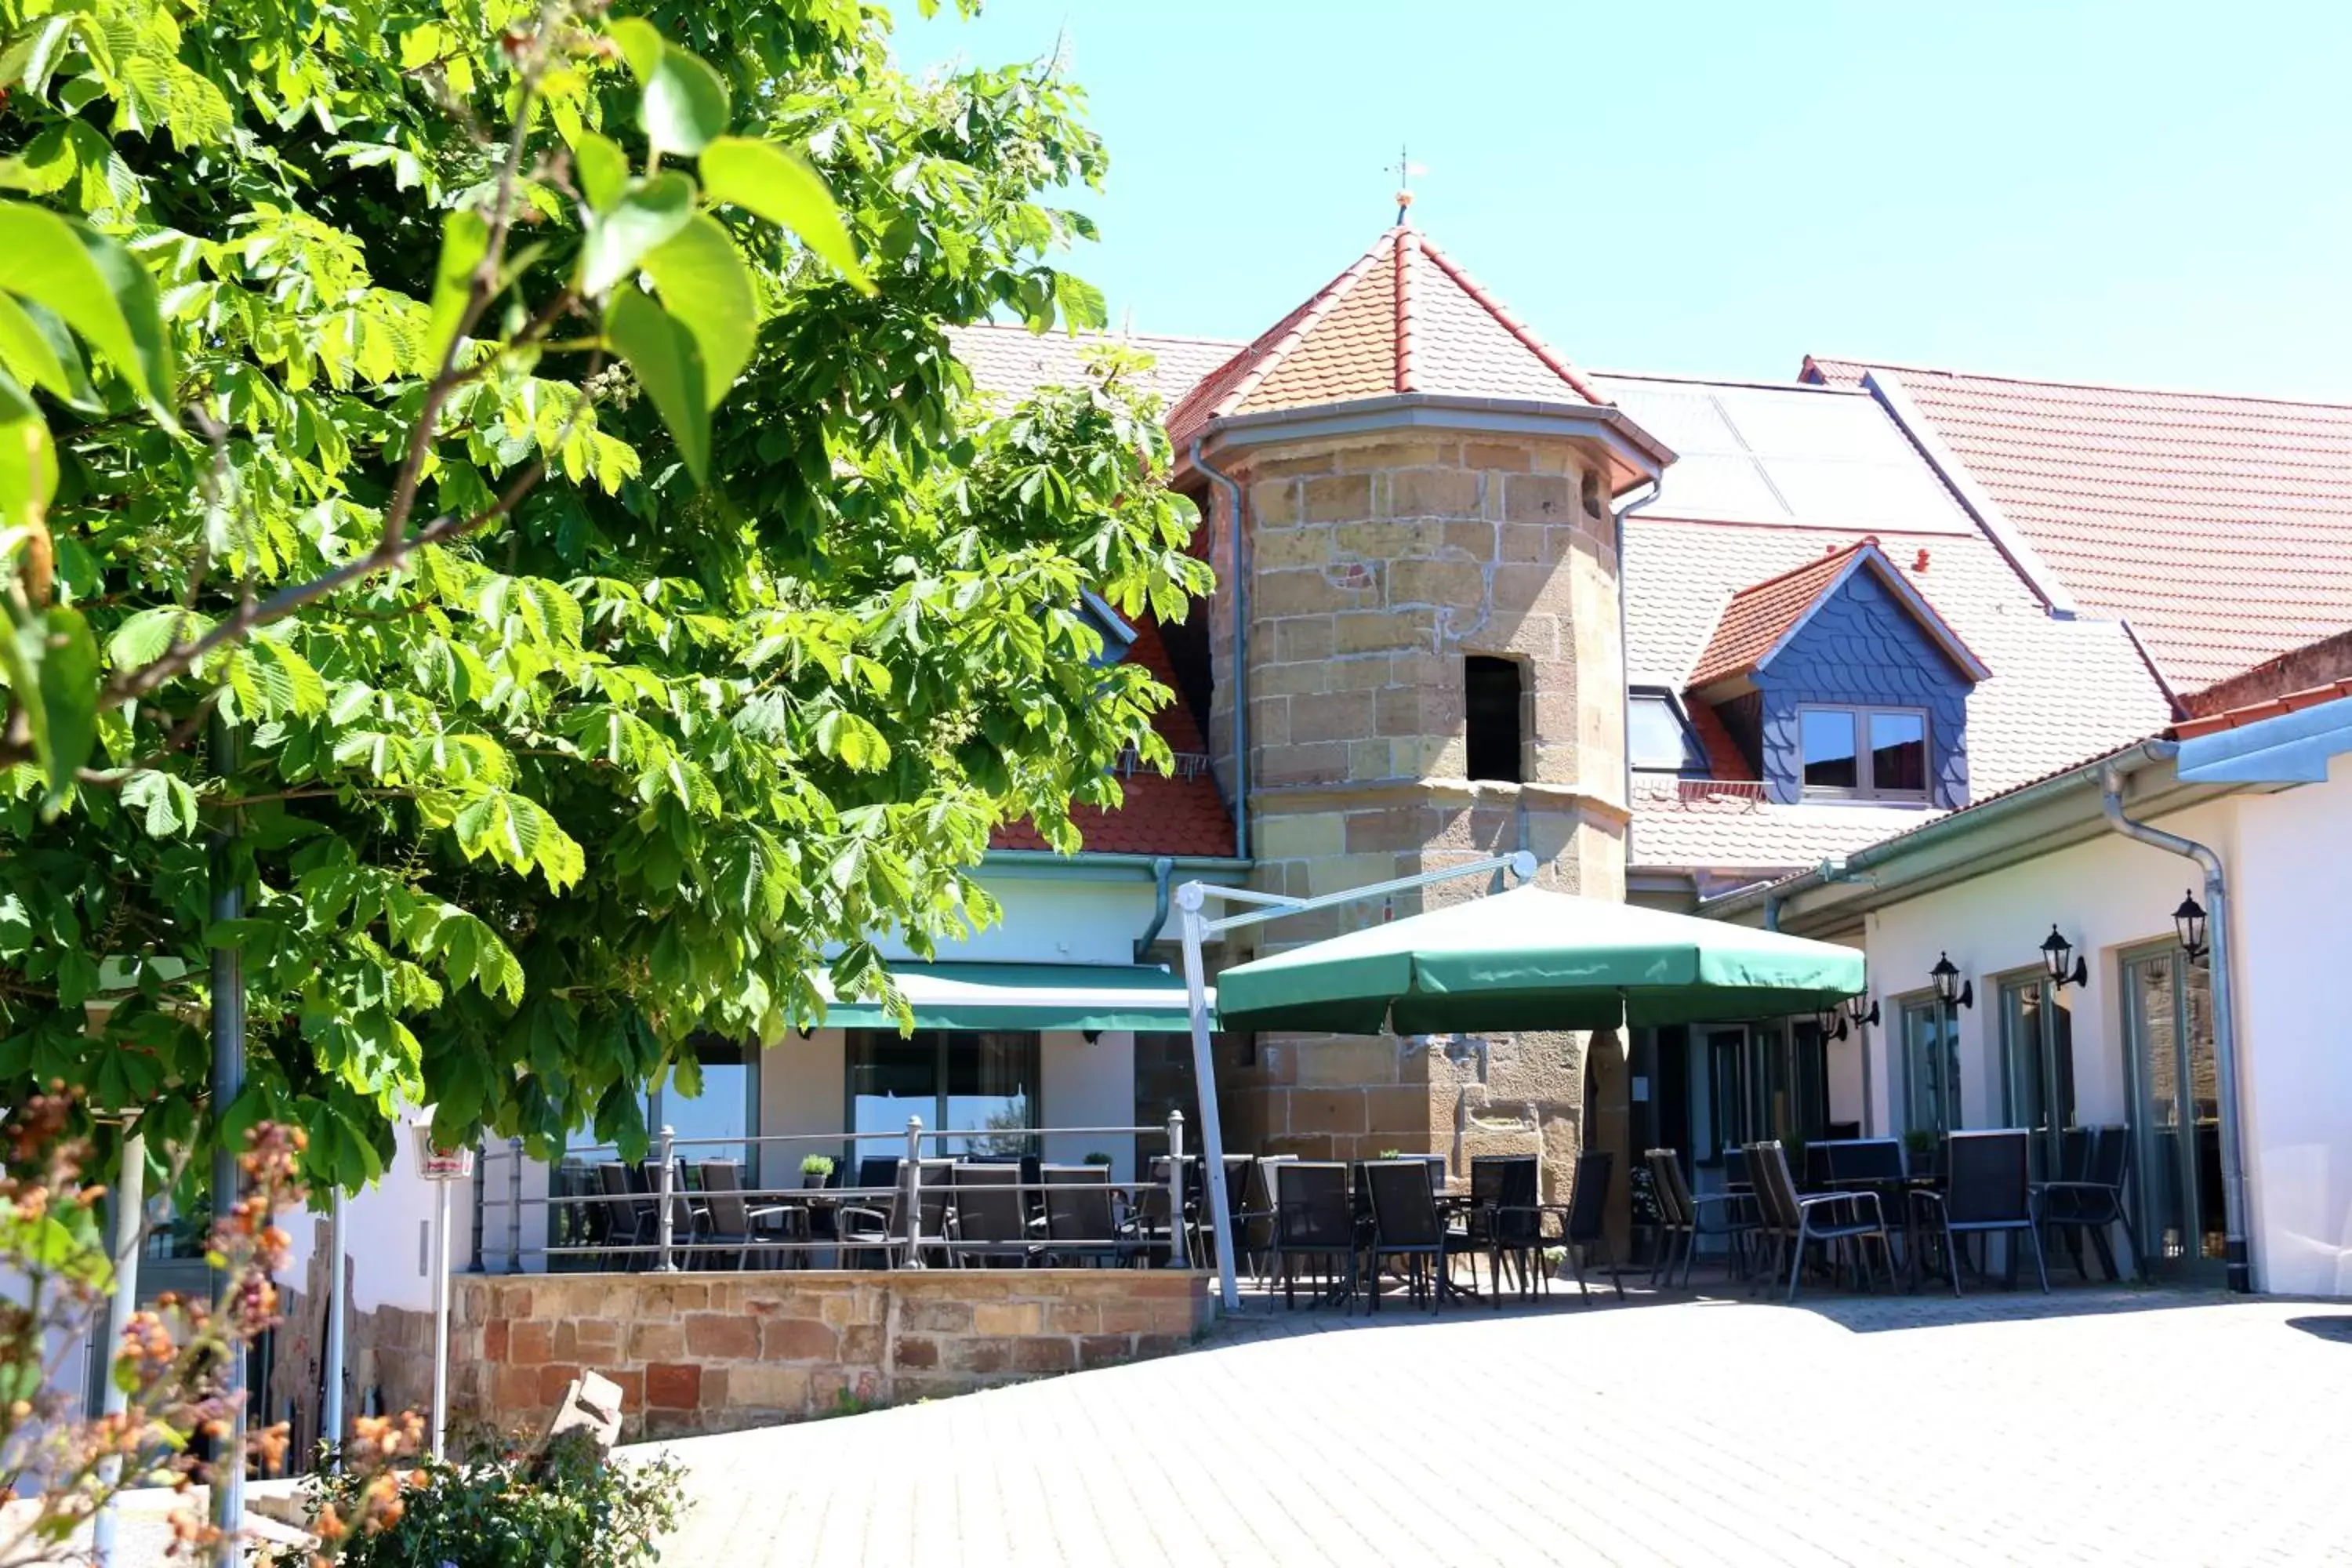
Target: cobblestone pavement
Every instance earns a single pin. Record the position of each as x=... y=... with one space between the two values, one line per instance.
x=2141 y=1427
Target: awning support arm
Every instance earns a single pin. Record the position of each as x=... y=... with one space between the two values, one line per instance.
x=1192 y=899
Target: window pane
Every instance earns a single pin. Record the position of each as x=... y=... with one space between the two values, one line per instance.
x=992 y=1091
x=1830 y=762
x=891 y=1079
x=1654 y=733
x=723 y=1109
x=1898 y=751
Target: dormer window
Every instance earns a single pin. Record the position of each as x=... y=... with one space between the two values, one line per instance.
x=1863 y=754
x=1657 y=737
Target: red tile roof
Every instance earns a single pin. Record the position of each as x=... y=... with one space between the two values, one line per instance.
x=1725 y=760
x=1761 y=614
x=2269 y=708
x=1403 y=318
x=2220 y=527
x=1181 y=814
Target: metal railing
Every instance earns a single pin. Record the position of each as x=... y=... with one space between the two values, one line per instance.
x=500 y=1202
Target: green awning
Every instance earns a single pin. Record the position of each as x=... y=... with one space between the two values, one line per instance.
x=1025 y=996
x=1532 y=959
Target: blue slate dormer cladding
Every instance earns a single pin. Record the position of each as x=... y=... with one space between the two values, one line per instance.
x=1861 y=646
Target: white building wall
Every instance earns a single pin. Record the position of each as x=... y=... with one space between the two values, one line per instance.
x=2293 y=925
x=387 y=1232
x=1082 y=1085
x=2288 y=856
x=1062 y=919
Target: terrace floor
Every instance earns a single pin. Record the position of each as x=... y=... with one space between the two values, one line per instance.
x=2091 y=1426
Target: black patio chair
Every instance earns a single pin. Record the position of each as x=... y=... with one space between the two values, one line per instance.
x=1253 y=1229
x=1586 y=1219
x=1237 y=1208
x=1315 y=1219
x=629 y=1213
x=1988 y=1187
x=1506 y=1217
x=1791 y=1221
x=993 y=1226
x=868 y=1227
x=1406 y=1226
x=1152 y=1207
x=2088 y=1204
x=1082 y=1225
x=1683 y=1215
x=688 y=1217
x=734 y=1222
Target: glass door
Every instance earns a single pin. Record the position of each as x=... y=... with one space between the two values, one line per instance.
x=2176 y=1113
x=2037 y=1050
x=1931 y=1068
x=1731 y=1119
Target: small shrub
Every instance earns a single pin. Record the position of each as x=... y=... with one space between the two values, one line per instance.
x=564 y=1506
x=1097 y=1158
x=818 y=1166
x=1391 y=1153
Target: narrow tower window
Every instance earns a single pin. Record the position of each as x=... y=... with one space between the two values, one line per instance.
x=1491 y=693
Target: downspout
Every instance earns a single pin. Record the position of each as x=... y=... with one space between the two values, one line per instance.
x=1241 y=648
x=2225 y=1015
x=1163 y=868
x=1625 y=662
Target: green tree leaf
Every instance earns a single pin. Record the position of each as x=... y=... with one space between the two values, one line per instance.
x=706 y=289
x=618 y=239
x=685 y=102
x=464 y=240
x=28 y=459
x=603 y=168
x=52 y=664
x=668 y=366
x=26 y=352
x=766 y=180
x=99 y=290
x=167 y=804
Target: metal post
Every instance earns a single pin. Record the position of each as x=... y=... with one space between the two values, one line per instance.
x=1180 y=1251
x=330 y=1413
x=129 y=1207
x=227 y=1083
x=912 y=1181
x=440 y=1318
x=665 y=1186
x=514 y=1205
x=1204 y=1079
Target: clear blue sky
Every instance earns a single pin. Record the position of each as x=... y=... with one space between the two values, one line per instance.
x=2106 y=192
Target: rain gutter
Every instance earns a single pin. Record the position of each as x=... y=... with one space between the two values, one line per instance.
x=1161 y=870
x=2225 y=1015
x=1624 y=664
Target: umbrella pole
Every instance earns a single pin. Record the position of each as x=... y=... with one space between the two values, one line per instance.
x=1205 y=1077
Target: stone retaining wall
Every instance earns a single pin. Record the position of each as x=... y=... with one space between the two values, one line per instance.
x=714 y=1353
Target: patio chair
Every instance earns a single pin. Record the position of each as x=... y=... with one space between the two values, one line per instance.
x=1237 y=1208
x=1315 y=1219
x=1081 y=1223
x=1683 y=1215
x=733 y=1222
x=1152 y=1207
x=992 y=1221
x=1253 y=1229
x=2095 y=1200
x=627 y=1212
x=1587 y=1219
x=687 y=1214
x=867 y=1226
x=1791 y=1221
x=1988 y=1187
x=1406 y=1226
x=1506 y=1217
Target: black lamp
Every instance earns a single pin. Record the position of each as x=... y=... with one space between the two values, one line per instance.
x=2189 y=919
x=1950 y=989
x=1830 y=1022
x=1862 y=1010
x=2065 y=969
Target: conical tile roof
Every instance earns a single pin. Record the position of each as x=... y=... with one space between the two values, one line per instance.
x=1402 y=319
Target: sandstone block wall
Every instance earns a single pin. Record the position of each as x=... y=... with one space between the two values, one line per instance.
x=698 y=1353
x=1377 y=565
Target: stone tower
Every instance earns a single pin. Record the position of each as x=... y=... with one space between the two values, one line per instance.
x=1423 y=575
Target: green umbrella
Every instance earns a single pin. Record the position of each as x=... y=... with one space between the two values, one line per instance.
x=1531 y=959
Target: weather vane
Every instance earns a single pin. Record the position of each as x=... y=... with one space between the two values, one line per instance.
x=1405 y=170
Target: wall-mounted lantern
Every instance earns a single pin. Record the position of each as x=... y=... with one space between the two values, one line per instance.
x=1950 y=989
x=2189 y=920
x=1862 y=1010
x=1830 y=1021
x=2065 y=969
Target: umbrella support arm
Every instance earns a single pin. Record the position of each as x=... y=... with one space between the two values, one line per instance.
x=1192 y=899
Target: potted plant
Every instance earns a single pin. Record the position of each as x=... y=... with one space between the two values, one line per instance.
x=1097 y=1158
x=816 y=1170
x=1919 y=1151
